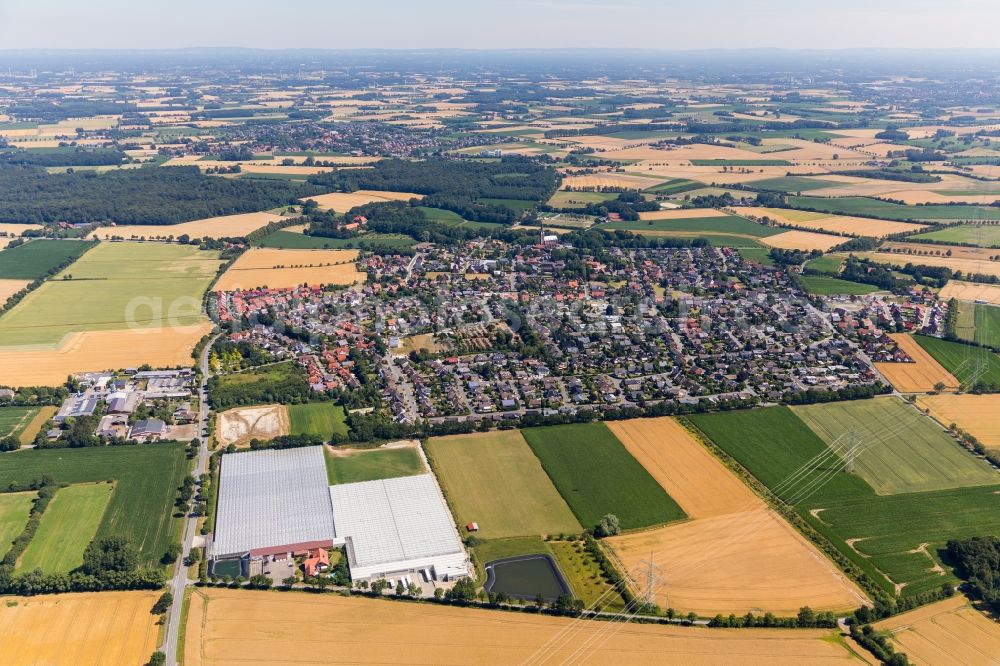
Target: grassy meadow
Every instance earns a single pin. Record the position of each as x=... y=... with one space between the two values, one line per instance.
x=36 y=258
x=14 y=509
x=967 y=363
x=322 y=419
x=372 y=464
x=69 y=523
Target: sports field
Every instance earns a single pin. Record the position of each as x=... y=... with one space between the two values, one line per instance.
x=899 y=450
x=596 y=475
x=223 y=627
x=82 y=628
x=36 y=258
x=322 y=419
x=978 y=415
x=225 y=226
x=950 y=631
x=969 y=364
x=495 y=480
x=282 y=269
x=146 y=481
x=67 y=526
x=735 y=555
x=386 y=462
x=899 y=536
x=920 y=376
x=14 y=508
x=115 y=286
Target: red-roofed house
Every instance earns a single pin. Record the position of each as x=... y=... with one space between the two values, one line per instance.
x=318 y=560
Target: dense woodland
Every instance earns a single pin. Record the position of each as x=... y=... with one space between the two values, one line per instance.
x=165 y=195
x=978 y=561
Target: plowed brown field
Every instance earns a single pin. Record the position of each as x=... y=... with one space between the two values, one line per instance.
x=243 y=627
x=736 y=555
x=91 y=628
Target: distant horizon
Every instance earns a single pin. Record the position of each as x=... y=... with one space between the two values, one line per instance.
x=492 y=25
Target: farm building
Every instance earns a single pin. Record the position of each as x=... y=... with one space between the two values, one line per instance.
x=276 y=504
x=398 y=525
x=272 y=502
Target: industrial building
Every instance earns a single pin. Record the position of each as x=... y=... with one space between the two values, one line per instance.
x=274 y=504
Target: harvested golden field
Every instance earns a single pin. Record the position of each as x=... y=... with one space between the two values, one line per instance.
x=690 y=474
x=10 y=287
x=226 y=226
x=971 y=291
x=803 y=240
x=280 y=269
x=599 y=180
x=240 y=627
x=238 y=426
x=955 y=263
x=344 y=201
x=680 y=214
x=12 y=229
x=84 y=628
x=947 y=632
x=917 y=377
x=978 y=415
x=914 y=197
x=838 y=224
x=99 y=350
x=735 y=555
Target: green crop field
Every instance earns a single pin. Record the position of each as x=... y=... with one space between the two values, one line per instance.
x=830 y=264
x=449 y=218
x=784 y=454
x=792 y=184
x=322 y=419
x=987 y=319
x=146 y=481
x=292 y=240
x=563 y=199
x=517 y=205
x=495 y=480
x=67 y=526
x=13 y=420
x=596 y=475
x=14 y=509
x=675 y=186
x=740 y=163
x=762 y=255
x=900 y=449
x=372 y=464
x=730 y=225
x=864 y=206
x=115 y=286
x=824 y=285
x=967 y=234
x=970 y=365
x=36 y=258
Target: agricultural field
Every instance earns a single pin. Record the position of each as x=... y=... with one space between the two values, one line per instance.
x=727 y=229
x=864 y=206
x=226 y=226
x=955 y=263
x=825 y=286
x=239 y=425
x=596 y=475
x=115 y=286
x=389 y=461
x=803 y=240
x=223 y=628
x=564 y=199
x=970 y=234
x=950 y=631
x=10 y=287
x=792 y=184
x=69 y=523
x=283 y=239
x=495 y=480
x=81 y=628
x=834 y=224
x=14 y=509
x=741 y=163
x=23 y=422
x=35 y=258
x=896 y=539
x=278 y=269
x=967 y=363
x=342 y=202
x=735 y=554
x=923 y=375
x=675 y=187
x=971 y=291
x=979 y=323
x=978 y=415
x=145 y=477
x=598 y=181
x=899 y=449
x=322 y=419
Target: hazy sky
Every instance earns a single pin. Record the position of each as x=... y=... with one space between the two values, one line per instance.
x=660 y=24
